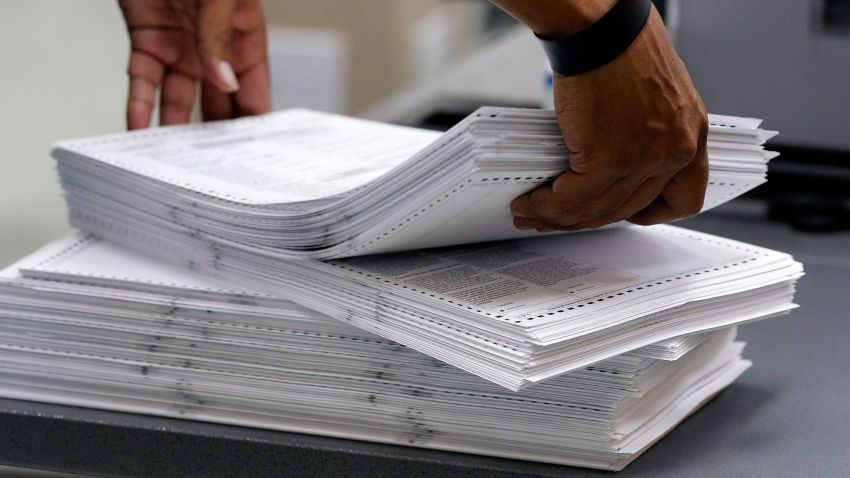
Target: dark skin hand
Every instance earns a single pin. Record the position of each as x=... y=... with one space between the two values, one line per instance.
x=177 y=44
x=636 y=127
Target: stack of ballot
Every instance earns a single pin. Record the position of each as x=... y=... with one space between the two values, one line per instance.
x=315 y=273
x=241 y=199
x=87 y=323
x=307 y=184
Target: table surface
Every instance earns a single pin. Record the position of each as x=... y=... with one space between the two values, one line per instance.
x=789 y=415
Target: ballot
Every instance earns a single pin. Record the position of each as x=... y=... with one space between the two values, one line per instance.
x=382 y=227
x=308 y=184
x=86 y=322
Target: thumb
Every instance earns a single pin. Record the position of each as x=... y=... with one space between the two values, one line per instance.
x=214 y=35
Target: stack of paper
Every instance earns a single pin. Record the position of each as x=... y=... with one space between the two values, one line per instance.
x=86 y=323
x=240 y=199
x=309 y=184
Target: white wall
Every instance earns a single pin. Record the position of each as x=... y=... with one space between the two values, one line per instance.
x=62 y=74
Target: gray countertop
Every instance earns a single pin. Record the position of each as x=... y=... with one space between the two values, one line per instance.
x=789 y=415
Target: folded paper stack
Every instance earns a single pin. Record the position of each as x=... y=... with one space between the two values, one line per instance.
x=307 y=184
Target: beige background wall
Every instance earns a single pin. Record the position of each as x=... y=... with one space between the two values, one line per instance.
x=377 y=34
x=61 y=75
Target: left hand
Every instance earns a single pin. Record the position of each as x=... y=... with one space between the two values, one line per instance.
x=177 y=44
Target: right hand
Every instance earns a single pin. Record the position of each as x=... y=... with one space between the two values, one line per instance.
x=636 y=130
x=176 y=44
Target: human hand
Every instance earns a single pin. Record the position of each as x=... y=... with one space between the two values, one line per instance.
x=636 y=130
x=176 y=44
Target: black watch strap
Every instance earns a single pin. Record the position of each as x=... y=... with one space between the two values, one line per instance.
x=599 y=43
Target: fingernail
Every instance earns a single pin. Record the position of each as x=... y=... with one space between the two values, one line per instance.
x=516 y=211
x=227 y=75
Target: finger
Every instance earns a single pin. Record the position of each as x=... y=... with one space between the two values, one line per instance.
x=681 y=197
x=254 y=97
x=575 y=188
x=250 y=59
x=140 y=103
x=145 y=74
x=215 y=104
x=564 y=208
x=640 y=199
x=523 y=224
x=176 y=98
x=214 y=42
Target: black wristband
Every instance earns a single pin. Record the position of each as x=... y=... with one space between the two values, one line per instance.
x=599 y=43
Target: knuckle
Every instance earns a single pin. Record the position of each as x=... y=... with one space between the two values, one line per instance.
x=692 y=206
x=674 y=154
x=213 y=40
x=595 y=210
x=520 y=222
x=139 y=101
x=686 y=146
x=561 y=184
x=683 y=144
x=538 y=201
x=564 y=214
x=703 y=122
